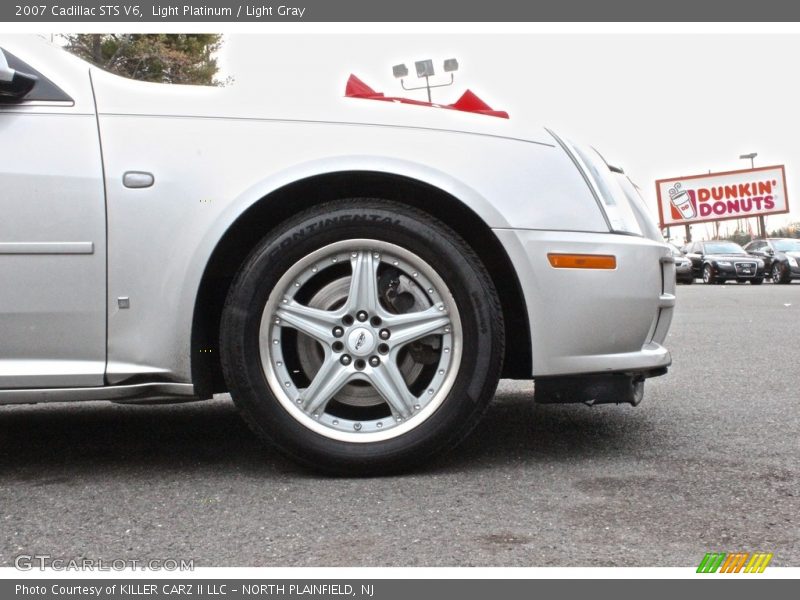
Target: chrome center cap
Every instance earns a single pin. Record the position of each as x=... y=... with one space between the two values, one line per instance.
x=361 y=341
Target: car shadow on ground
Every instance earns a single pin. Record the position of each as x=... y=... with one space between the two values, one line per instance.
x=515 y=430
x=117 y=439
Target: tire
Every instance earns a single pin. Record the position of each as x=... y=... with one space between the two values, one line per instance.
x=780 y=274
x=757 y=281
x=708 y=275
x=398 y=400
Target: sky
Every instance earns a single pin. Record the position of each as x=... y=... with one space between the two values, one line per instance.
x=659 y=105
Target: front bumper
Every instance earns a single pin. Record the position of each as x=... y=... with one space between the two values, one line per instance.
x=683 y=271
x=601 y=388
x=734 y=271
x=586 y=321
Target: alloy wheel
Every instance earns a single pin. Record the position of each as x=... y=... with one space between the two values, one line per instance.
x=360 y=340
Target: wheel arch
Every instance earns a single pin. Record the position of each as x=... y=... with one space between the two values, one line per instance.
x=281 y=204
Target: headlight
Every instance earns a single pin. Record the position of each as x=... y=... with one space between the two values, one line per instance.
x=724 y=263
x=760 y=262
x=615 y=203
x=792 y=261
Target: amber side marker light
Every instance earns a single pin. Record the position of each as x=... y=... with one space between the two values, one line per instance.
x=582 y=261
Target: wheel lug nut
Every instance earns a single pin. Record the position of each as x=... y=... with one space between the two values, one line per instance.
x=385 y=334
x=383 y=348
x=338 y=332
x=345 y=359
x=375 y=321
x=347 y=320
x=361 y=315
x=360 y=364
x=374 y=361
x=337 y=346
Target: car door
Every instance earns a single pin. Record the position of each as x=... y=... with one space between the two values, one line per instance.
x=52 y=230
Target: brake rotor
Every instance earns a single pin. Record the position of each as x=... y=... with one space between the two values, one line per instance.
x=332 y=296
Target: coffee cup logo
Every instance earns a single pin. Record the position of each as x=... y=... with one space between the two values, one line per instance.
x=682 y=202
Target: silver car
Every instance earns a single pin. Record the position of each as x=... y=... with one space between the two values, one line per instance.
x=357 y=274
x=683 y=267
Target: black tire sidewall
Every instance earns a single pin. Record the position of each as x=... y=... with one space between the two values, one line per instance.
x=710 y=278
x=432 y=242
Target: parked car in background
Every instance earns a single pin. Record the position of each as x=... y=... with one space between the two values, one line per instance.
x=358 y=274
x=683 y=267
x=718 y=261
x=781 y=257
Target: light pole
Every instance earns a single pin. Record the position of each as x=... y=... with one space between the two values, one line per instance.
x=751 y=156
x=762 y=226
x=425 y=69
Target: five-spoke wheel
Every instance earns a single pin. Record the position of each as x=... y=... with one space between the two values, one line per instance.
x=362 y=337
x=385 y=349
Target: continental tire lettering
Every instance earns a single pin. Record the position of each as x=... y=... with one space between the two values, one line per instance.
x=361 y=218
x=289 y=240
x=482 y=324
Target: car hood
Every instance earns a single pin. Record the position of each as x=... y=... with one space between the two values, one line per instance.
x=119 y=96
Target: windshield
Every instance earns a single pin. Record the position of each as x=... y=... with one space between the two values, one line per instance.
x=723 y=248
x=787 y=245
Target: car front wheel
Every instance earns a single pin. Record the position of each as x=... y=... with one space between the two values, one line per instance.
x=780 y=274
x=362 y=337
x=708 y=275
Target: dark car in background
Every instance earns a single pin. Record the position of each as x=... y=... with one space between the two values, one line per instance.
x=781 y=257
x=718 y=261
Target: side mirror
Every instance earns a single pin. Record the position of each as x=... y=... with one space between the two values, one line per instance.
x=770 y=251
x=14 y=85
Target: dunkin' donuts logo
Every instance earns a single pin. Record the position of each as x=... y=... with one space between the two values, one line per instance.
x=722 y=200
x=684 y=205
x=732 y=195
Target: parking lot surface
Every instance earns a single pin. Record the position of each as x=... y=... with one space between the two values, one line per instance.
x=710 y=461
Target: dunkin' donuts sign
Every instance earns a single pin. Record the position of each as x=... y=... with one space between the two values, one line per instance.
x=718 y=196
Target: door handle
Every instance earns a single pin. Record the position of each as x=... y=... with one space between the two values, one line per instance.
x=138 y=179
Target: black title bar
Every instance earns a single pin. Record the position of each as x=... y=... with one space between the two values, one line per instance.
x=440 y=11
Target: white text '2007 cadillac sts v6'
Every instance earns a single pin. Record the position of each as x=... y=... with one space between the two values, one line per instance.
x=357 y=273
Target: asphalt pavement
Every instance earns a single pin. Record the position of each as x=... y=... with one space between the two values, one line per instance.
x=710 y=461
